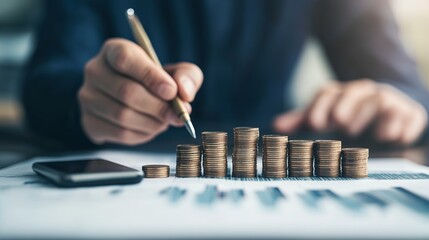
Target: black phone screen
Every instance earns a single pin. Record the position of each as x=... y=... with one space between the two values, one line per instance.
x=87 y=172
x=86 y=166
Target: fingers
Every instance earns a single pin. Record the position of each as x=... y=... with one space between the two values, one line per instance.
x=365 y=114
x=413 y=126
x=356 y=100
x=402 y=119
x=129 y=59
x=318 y=112
x=402 y=125
x=100 y=132
x=389 y=127
x=289 y=122
x=127 y=91
x=116 y=113
x=188 y=77
x=354 y=106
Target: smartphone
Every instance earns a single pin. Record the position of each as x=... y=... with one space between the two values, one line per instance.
x=87 y=172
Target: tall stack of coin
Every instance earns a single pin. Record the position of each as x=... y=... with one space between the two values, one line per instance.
x=156 y=171
x=327 y=158
x=274 y=162
x=301 y=158
x=215 y=152
x=355 y=162
x=188 y=160
x=245 y=152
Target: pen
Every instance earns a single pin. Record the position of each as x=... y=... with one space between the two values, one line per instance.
x=144 y=42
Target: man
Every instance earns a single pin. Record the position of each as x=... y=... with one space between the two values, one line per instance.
x=89 y=82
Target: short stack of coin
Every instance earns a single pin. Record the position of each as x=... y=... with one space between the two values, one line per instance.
x=327 y=158
x=156 y=171
x=301 y=158
x=355 y=162
x=188 y=160
x=274 y=163
x=215 y=152
x=245 y=152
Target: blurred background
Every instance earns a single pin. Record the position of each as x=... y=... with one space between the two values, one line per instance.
x=18 y=19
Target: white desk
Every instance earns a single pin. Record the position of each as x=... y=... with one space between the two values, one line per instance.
x=379 y=206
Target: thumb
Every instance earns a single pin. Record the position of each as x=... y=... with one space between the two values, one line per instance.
x=188 y=77
x=289 y=122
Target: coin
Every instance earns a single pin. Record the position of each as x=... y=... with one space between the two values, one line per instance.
x=327 y=158
x=156 y=171
x=274 y=156
x=215 y=152
x=188 y=160
x=355 y=162
x=245 y=152
x=300 y=158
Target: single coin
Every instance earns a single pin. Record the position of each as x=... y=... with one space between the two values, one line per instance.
x=156 y=171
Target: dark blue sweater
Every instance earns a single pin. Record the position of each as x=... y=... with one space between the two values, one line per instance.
x=247 y=50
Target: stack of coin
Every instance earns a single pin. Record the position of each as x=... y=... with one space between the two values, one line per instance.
x=327 y=158
x=215 y=152
x=355 y=162
x=301 y=158
x=274 y=162
x=188 y=160
x=245 y=152
x=156 y=171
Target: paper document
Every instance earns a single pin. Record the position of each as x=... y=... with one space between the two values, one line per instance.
x=393 y=202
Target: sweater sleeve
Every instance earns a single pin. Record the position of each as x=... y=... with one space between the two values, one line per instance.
x=69 y=35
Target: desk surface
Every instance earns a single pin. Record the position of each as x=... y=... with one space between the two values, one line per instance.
x=391 y=203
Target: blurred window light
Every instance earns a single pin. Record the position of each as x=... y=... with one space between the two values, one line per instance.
x=413 y=20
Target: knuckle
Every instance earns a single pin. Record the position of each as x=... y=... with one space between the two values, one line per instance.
x=324 y=90
x=313 y=121
x=123 y=135
x=89 y=69
x=126 y=92
x=119 y=56
x=147 y=75
x=339 y=117
x=327 y=90
x=367 y=85
x=83 y=95
x=163 y=110
x=123 y=115
x=367 y=82
x=120 y=59
x=320 y=94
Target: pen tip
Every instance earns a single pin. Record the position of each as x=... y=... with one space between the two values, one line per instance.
x=190 y=127
x=130 y=12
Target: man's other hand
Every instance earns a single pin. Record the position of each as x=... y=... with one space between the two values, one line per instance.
x=354 y=106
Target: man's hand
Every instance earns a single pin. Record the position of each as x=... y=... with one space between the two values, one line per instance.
x=354 y=106
x=124 y=97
